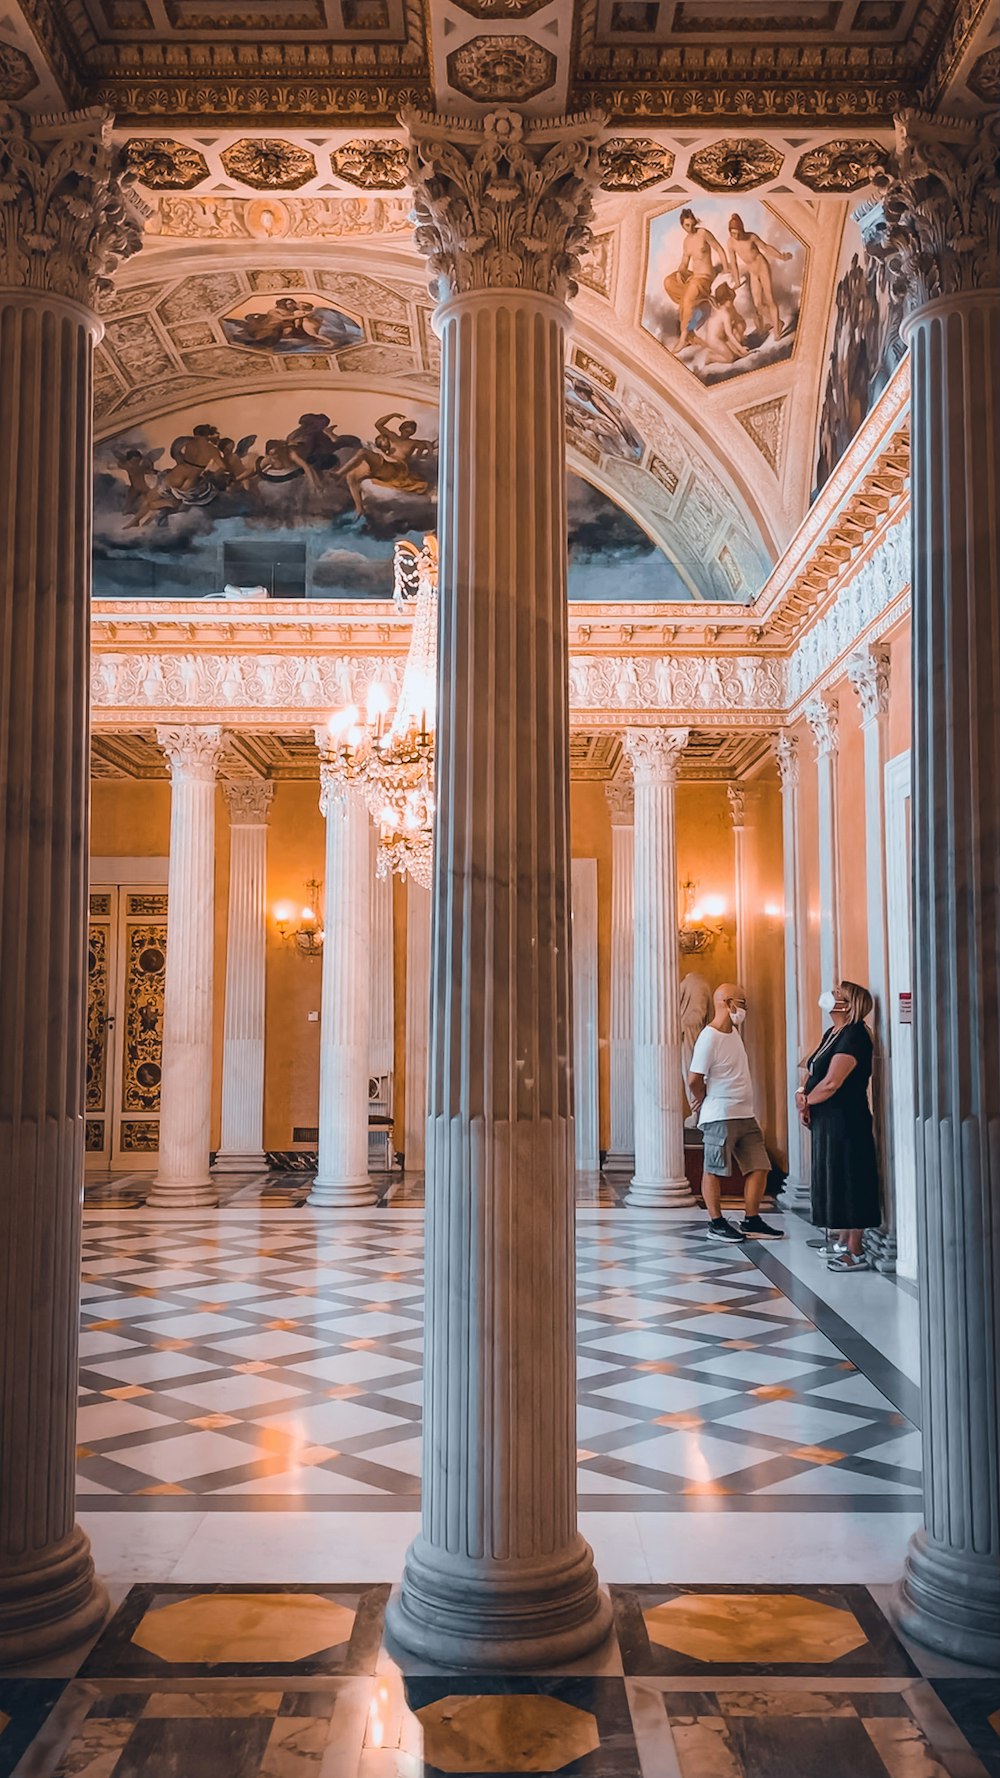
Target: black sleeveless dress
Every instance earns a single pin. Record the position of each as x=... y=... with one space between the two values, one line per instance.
x=844 y=1179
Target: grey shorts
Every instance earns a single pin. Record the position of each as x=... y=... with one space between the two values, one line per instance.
x=734 y=1138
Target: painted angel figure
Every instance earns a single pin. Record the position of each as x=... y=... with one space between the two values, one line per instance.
x=390 y=461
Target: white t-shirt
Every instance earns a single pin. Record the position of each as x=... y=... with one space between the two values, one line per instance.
x=722 y=1059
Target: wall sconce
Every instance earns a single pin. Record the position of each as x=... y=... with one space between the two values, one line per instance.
x=699 y=927
x=307 y=932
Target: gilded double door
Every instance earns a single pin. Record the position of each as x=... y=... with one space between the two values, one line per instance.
x=126 y=974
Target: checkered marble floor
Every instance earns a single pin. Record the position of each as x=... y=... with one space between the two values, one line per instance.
x=287 y=1681
x=239 y=1362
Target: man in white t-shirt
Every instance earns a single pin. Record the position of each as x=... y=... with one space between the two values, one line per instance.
x=721 y=1092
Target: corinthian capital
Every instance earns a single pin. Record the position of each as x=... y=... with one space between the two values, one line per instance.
x=192 y=751
x=501 y=206
x=941 y=230
x=868 y=672
x=654 y=753
x=823 y=718
x=66 y=217
x=249 y=802
x=621 y=802
x=786 y=752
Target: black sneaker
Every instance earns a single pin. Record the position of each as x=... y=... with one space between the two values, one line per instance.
x=756 y=1229
x=723 y=1231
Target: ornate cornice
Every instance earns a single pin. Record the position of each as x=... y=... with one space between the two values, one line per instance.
x=654 y=753
x=192 y=751
x=865 y=595
x=940 y=234
x=500 y=205
x=67 y=218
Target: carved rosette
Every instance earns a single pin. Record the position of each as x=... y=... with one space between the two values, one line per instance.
x=67 y=218
x=654 y=753
x=868 y=672
x=940 y=234
x=500 y=206
x=786 y=752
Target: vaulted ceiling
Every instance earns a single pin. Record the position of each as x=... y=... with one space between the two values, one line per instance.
x=353 y=61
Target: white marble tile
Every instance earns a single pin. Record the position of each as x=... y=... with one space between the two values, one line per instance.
x=151 y=1367
x=113 y=1419
x=617 y=1545
x=189 y=1454
x=271 y=1343
x=226 y=1395
x=794 y=1420
x=182 y=1326
x=665 y=1394
x=694 y=1454
x=751 y=1367
x=139 y=1546
x=774 y=1547
x=330 y=1422
x=291 y=1546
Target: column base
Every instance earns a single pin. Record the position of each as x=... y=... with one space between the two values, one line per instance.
x=880 y=1246
x=797 y=1194
x=342 y=1193
x=660 y=1194
x=240 y=1163
x=463 y=1612
x=188 y=1194
x=619 y=1160
x=950 y=1601
x=50 y=1601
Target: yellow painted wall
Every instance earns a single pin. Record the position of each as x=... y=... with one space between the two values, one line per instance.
x=765 y=957
x=706 y=855
x=590 y=837
x=900 y=690
x=295 y=852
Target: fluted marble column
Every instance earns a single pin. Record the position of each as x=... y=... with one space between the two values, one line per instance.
x=868 y=672
x=621 y=805
x=183 y=1179
x=737 y=800
x=62 y=230
x=786 y=752
x=381 y=1035
x=659 y=1179
x=418 y=1022
x=941 y=248
x=241 y=1147
x=822 y=715
x=342 y=1176
x=500 y=1576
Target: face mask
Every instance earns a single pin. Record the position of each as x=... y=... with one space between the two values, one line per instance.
x=827 y=1001
x=737 y=1014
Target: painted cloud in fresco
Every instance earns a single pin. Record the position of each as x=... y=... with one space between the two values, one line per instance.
x=723 y=286
x=289 y=324
x=256 y=493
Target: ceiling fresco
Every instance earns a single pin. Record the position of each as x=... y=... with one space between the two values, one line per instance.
x=358 y=60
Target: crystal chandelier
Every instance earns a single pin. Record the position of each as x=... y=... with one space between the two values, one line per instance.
x=388 y=755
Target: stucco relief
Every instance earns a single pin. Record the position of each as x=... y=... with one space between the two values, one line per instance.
x=860 y=601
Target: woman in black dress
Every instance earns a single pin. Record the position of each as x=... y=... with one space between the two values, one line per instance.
x=834 y=1105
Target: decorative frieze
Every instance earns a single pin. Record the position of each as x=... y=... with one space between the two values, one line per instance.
x=881 y=582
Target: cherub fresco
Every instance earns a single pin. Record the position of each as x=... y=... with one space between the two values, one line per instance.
x=723 y=287
x=291 y=324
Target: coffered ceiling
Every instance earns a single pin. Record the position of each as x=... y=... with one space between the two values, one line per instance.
x=358 y=61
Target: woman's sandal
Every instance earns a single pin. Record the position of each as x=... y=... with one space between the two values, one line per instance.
x=849 y=1262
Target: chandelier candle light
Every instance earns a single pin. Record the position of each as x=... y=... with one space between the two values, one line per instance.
x=390 y=760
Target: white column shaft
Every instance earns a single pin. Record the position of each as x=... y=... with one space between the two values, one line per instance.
x=659 y=1111
x=418 y=1022
x=241 y=1144
x=829 y=936
x=382 y=1035
x=585 y=1048
x=342 y=1175
x=183 y=1177
x=622 y=966
x=794 y=934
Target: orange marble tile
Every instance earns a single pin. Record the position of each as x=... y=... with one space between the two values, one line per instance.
x=127 y=1392
x=682 y=1422
x=815 y=1454
x=773 y=1392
